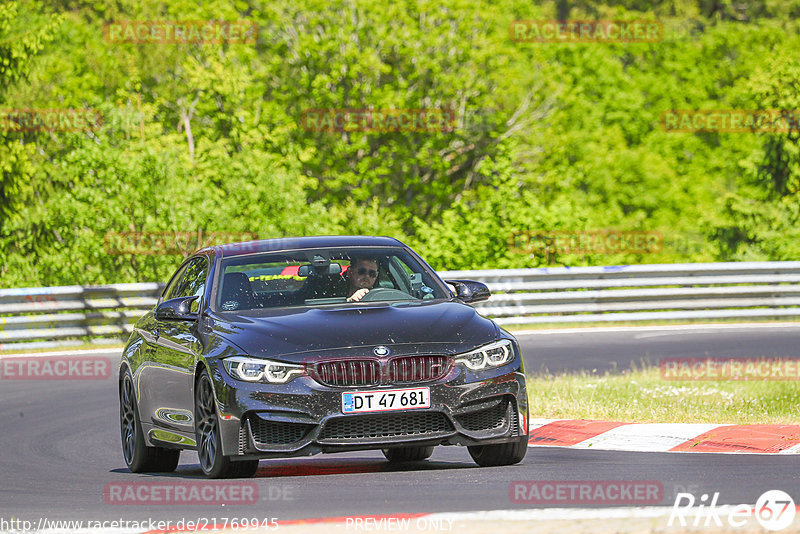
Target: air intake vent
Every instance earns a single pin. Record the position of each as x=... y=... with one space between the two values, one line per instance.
x=266 y=433
x=386 y=426
x=489 y=419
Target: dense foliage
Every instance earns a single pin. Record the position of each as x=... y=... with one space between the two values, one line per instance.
x=209 y=138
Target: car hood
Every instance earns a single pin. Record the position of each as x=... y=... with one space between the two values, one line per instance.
x=289 y=334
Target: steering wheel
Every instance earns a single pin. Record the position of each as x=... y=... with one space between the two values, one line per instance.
x=385 y=293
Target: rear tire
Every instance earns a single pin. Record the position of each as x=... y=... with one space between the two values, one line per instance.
x=139 y=457
x=499 y=454
x=407 y=454
x=209 y=444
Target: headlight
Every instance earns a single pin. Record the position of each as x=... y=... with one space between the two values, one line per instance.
x=492 y=355
x=257 y=370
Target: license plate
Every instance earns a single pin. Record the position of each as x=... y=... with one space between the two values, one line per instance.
x=385 y=400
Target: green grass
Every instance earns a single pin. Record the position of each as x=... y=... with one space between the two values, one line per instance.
x=642 y=396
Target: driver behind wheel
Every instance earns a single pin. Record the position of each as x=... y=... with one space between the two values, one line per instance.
x=362 y=276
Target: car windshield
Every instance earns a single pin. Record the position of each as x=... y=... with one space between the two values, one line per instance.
x=319 y=277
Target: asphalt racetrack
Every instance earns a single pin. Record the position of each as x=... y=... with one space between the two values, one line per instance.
x=60 y=451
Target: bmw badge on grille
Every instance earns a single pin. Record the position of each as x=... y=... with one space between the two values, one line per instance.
x=380 y=350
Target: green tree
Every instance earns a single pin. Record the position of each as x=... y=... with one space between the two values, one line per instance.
x=764 y=210
x=22 y=36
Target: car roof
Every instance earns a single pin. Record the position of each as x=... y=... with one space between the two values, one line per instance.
x=294 y=243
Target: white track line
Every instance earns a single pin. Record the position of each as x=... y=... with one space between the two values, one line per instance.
x=62 y=353
x=556 y=513
x=681 y=327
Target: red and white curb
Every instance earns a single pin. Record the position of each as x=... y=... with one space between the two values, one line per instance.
x=664 y=437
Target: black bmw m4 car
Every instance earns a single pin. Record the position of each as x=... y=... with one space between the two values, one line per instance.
x=292 y=347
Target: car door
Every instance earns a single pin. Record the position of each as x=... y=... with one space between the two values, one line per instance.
x=176 y=343
x=146 y=326
x=146 y=363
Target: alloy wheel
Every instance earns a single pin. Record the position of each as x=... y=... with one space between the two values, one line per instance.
x=127 y=420
x=207 y=425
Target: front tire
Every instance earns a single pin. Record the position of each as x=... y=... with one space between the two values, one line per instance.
x=499 y=454
x=407 y=454
x=139 y=457
x=209 y=444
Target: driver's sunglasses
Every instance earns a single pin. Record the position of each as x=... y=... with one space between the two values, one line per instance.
x=363 y=270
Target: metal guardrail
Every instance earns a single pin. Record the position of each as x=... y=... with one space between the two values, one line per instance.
x=640 y=292
x=50 y=316
x=41 y=317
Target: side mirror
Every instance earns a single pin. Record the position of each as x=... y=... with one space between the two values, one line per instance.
x=469 y=290
x=177 y=309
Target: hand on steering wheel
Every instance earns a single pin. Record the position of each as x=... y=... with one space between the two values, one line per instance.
x=358 y=295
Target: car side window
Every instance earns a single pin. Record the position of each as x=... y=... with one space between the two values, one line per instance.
x=193 y=282
x=417 y=284
x=174 y=283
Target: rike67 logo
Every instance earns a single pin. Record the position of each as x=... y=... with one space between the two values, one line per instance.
x=774 y=510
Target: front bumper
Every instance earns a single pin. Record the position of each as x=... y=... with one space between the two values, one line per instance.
x=304 y=417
